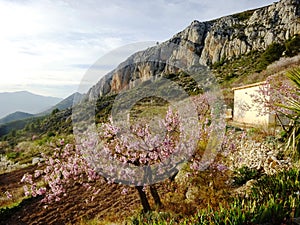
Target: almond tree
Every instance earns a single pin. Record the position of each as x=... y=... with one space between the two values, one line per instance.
x=270 y=96
x=137 y=157
x=280 y=96
x=70 y=165
x=142 y=149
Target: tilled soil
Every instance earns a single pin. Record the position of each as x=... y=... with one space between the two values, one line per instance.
x=108 y=205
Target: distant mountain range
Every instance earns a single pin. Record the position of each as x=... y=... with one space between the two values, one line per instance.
x=25 y=101
x=22 y=105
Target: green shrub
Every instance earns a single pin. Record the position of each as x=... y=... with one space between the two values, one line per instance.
x=50 y=134
x=12 y=155
x=54 y=111
x=244 y=15
x=273 y=52
x=218 y=64
x=244 y=174
x=292 y=46
x=280 y=185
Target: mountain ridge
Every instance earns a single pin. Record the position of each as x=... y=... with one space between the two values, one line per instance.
x=25 y=101
x=62 y=105
x=206 y=43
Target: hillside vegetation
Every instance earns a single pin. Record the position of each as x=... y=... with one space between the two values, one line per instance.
x=231 y=174
x=199 y=199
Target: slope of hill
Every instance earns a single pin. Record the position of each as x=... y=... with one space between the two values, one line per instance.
x=20 y=120
x=15 y=116
x=24 y=101
x=65 y=103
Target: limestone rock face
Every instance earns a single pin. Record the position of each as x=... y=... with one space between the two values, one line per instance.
x=232 y=36
x=204 y=43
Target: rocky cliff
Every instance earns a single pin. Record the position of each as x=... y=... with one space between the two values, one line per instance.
x=205 y=43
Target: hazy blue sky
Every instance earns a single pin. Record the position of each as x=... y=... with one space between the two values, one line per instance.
x=46 y=46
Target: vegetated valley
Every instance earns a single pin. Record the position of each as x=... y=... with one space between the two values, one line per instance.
x=253 y=178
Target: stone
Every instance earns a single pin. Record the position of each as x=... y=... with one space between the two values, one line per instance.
x=192 y=193
x=36 y=160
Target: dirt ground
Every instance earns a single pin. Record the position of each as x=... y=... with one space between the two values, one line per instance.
x=72 y=209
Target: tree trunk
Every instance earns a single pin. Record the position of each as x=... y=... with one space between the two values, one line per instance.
x=155 y=196
x=144 y=200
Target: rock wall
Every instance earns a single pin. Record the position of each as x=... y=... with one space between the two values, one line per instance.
x=204 y=43
x=230 y=36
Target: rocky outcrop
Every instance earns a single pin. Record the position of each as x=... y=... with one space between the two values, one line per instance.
x=204 y=43
x=236 y=35
x=7 y=166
